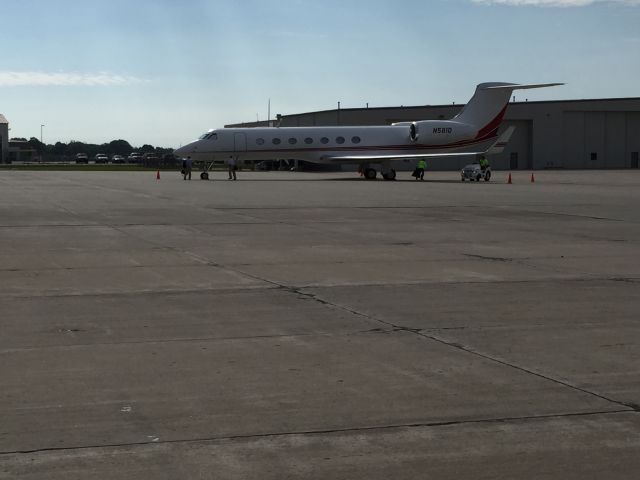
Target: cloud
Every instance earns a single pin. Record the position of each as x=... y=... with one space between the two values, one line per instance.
x=61 y=79
x=555 y=3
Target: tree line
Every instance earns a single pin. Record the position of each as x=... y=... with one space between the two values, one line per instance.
x=61 y=150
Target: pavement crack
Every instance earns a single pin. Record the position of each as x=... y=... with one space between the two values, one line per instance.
x=485 y=257
x=318 y=432
x=421 y=333
x=526 y=370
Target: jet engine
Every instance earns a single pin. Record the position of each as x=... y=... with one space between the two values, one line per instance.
x=441 y=132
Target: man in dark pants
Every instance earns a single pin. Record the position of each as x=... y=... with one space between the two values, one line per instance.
x=422 y=164
x=187 y=165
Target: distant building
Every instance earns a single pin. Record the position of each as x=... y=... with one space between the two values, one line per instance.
x=14 y=150
x=602 y=133
x=4 y=139
x=22 y=151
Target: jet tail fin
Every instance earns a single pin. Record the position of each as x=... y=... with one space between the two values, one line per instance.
x=487 y=107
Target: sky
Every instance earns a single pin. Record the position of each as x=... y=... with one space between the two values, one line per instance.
x=162 y=72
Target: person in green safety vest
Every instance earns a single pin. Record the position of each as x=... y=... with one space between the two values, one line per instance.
x=484 y=163
x=419 y=173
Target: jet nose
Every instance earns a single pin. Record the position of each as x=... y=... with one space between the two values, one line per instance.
x=186 y=150
x=179 y=152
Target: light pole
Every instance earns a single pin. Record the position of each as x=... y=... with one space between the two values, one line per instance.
x=41 y=143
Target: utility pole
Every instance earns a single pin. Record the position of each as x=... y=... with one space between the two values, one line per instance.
x=269 y=114
x=41 y=142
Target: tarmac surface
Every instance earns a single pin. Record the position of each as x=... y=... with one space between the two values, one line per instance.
x=293 y=325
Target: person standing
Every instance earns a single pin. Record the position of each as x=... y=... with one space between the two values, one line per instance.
x=187 y=165
x=233 y=167
x=422 y=164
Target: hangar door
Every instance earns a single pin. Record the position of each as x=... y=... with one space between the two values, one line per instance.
x=595 y=139
x=573 y=135
x=518 y=153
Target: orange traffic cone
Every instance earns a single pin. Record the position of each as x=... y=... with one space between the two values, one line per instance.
x=509 y=179
x=533 y=179
x=158 y=175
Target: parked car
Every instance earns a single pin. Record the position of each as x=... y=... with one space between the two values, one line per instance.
x=82 y=158
x=473 y=172
x=118 y=159
x=101 y=158
x=135 y=157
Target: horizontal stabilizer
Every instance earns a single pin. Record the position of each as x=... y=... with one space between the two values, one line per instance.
x=502 y=142
x=515 y=86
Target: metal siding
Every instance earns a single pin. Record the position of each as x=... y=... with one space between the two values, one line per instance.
x=633 y=135
x=615 y=140
x=594 y=141
x=520 y=143
x=573 y=128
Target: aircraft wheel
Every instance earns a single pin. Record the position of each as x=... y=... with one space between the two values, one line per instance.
x=370 y=174
x=204 y=176
x=390 y=175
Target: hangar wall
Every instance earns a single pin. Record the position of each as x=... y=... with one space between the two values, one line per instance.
x=576 y=134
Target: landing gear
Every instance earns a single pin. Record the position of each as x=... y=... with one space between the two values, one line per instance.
x=370 y=174
x=389 y=175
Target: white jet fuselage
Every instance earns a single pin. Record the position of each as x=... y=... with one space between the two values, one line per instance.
x=331 y=144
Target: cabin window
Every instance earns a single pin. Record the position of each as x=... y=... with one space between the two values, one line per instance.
x=340 y=140
x=324 y=140
x=292 y=141
x=260 y=141
x=308 y=140
x=355 y=139
x=276 y=141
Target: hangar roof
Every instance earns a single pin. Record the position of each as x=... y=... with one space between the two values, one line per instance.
x=408 y=107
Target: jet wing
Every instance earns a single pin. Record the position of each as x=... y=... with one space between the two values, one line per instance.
x=364 y=158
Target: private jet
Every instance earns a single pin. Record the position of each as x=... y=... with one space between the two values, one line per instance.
x=472 y=131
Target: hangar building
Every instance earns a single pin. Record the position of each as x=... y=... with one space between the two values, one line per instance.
x=572 y=134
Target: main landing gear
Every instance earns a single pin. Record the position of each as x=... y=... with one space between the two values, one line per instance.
x=371 y=174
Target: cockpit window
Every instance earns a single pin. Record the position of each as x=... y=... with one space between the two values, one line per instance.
x=212 y=136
